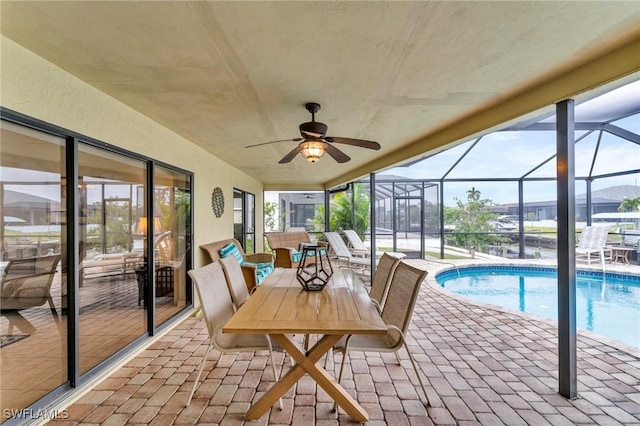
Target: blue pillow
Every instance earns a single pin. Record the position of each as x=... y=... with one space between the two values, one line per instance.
x=231 y=250
x=263 y=270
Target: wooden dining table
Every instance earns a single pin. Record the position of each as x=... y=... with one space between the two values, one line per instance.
x=281 y=308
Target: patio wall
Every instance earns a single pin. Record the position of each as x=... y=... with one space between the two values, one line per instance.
x=35 y=87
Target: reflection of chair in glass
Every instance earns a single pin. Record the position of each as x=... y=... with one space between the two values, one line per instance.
x=21 y=249
x=26 y=283
x=166 y=268
x=217 y=307
x=396 y=313
x=342 y=253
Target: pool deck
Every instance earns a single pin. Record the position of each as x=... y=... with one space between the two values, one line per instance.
x=483 y=366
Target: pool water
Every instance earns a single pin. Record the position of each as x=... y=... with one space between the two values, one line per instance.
x=609 y=306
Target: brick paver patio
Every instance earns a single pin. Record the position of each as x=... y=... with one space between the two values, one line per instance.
x=483 y=366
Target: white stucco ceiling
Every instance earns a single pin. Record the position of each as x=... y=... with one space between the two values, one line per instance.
x=229 y=74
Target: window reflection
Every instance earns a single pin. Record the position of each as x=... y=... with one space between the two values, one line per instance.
x=172 y=230
x=244 y=219
x=111 y=312
x=33 y=321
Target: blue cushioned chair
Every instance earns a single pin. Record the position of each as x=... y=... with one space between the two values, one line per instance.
x=255 y=267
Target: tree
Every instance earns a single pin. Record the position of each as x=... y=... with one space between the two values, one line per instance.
x=471 y=220
x=270 y=213
x=341 y=209
x=629 y=204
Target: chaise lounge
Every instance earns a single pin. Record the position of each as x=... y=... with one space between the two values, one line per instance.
x=593 y=241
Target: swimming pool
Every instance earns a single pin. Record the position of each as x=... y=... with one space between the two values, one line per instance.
x=609 y=306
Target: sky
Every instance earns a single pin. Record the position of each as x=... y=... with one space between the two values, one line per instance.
x=513 y=154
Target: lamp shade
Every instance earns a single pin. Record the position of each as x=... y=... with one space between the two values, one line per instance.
x=141 y=226
x=313 y=149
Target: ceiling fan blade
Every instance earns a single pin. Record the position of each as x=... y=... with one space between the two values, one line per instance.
x=282 y=140
x=355 y=142
x=291 y=155
x=337 y=155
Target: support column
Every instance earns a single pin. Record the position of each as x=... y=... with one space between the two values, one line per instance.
x=522 y=247
x=327 y=213
x=589 y=201
x=567 y=369
x=372 y=221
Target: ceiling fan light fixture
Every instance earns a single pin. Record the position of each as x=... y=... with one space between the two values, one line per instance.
x=312 y=150
x=314 y=142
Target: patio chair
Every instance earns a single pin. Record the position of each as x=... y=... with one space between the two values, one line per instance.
x=593 y=241
x=357 y=245
x=382 y=278
x=26 y=283
x=235 y=281
x=343 y=255
x=396 y=313
x=216 y=305
x=379 y=284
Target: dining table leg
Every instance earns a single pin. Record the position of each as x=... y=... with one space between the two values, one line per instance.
x=308 y=363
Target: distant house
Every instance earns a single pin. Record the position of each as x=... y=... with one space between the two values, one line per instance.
x=298 y=209
x=604 y=200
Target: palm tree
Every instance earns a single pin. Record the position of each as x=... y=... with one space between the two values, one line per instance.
x=344 y=215
x=629 y=204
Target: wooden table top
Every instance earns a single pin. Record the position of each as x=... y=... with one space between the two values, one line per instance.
x=281 y=306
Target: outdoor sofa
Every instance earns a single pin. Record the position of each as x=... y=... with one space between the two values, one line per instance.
x=287 y=247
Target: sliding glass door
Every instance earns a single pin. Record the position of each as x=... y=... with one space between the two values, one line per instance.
x=111 y=316
x=33 y=324
x=75 y=298
x=244 y=222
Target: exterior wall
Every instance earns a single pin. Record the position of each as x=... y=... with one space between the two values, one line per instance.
x=33 y=86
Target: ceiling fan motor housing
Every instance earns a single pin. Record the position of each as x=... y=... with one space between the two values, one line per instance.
x=313 y=128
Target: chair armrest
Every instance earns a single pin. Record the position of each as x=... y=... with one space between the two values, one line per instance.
x=250 y=266
x=259 y=258
x=359 y=252
x=284 y=251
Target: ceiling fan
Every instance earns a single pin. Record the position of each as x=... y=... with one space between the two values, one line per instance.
x=314 y=143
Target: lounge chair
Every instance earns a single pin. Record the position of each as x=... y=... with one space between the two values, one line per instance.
x=357 y=246
x=341 y=252
x=593 y=241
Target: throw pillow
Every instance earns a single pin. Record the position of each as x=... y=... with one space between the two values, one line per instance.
x=231 y=250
